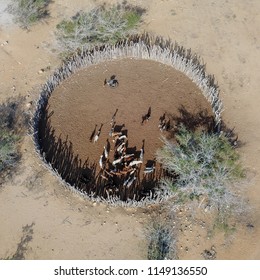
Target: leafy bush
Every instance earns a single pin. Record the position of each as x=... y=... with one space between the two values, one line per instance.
x=161 y=244
x=28 y=12
x=98 y=26
x=13 y=122
x=201 y=166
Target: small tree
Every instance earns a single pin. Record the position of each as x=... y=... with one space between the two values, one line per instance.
x=98 y=26
x=201 y=166
x=28 y=12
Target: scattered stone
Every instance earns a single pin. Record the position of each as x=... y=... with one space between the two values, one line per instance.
x=5 y=43
x=250 y=226
x=29 y=104
x=41 y=71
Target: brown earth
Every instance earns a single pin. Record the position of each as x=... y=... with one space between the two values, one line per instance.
x=64 y=226
x=81 y=104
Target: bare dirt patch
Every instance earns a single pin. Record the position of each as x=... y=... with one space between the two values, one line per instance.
x=82 y=104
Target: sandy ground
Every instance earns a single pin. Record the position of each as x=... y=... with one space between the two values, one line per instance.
x=40 y=219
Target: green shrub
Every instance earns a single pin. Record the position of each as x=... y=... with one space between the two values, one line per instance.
x=8 y=149
x=28 y=12
x=98 y=26
x=132 y=19
x=13 y=123
x=201 y=166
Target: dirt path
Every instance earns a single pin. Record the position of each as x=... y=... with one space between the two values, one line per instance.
x=38 y=213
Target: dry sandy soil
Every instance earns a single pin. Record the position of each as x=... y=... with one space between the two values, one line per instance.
x=40 y=219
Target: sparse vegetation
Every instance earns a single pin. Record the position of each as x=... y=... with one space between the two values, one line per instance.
x=22 y=246
x=12 y=125
x=100 y=25
x=224 y=225
x=8 y=151
x=161 y=243
x=202 y=168
x=28 y=12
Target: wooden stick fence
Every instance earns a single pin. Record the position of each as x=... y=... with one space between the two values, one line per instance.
x=142 y=46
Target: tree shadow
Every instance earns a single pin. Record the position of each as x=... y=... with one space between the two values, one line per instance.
x=22 y=246
x=202 y=120
x=192 y=121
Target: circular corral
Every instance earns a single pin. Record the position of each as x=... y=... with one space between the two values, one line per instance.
x=151 y=91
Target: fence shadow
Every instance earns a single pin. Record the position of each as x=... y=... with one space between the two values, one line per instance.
x=83 y=175
x=59 y=153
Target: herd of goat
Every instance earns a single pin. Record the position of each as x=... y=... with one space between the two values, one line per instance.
x=120 y=165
